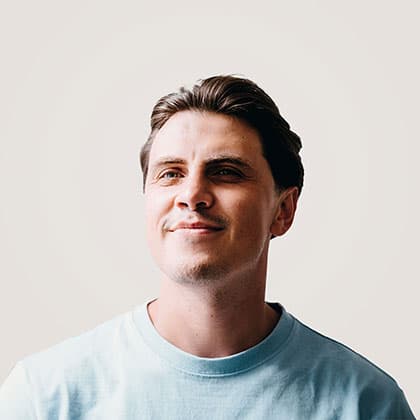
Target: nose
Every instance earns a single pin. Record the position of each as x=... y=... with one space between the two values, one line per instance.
x=194 y=193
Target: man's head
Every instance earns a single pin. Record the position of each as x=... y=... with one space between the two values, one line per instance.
x=243 y=99
x=221 y=177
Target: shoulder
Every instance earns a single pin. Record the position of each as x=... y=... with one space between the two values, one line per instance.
x=77 y=358
x=346 y=377
x=327 y=352
x=78 y=370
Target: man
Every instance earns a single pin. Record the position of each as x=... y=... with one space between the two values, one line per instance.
x=222 y=176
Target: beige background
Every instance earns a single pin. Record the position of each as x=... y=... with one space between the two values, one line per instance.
x=78 y=80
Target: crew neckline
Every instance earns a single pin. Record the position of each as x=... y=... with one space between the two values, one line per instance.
x=236 y=363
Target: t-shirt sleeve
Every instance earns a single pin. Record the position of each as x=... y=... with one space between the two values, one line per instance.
x=395 y=408
x=400 y=408
x=15 y=396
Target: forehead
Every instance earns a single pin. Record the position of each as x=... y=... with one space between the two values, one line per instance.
x=194 y=134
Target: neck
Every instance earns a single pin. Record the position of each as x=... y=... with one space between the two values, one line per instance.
x=213 y=323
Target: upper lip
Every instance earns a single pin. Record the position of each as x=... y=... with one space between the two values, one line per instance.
x=195 y=225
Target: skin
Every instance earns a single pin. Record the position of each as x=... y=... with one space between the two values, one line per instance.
x=209 y=168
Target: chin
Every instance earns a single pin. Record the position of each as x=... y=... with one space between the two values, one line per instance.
x=198 y=274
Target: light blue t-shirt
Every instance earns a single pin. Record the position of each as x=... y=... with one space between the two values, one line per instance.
x=123 y=369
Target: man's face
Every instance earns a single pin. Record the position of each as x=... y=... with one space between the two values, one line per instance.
x=211 y=202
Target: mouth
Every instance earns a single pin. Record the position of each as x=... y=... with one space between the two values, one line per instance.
x=196 y=226
x=198 y=230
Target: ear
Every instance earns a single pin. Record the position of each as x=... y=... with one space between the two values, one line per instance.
x=285 y=213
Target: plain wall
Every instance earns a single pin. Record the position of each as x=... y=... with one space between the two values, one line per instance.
x=78 y=81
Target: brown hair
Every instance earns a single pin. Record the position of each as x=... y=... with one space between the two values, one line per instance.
x=243 y=99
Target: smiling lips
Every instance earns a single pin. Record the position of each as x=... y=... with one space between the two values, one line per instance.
x=196 y=227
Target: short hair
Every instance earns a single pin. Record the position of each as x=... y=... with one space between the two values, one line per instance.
x=243 y=99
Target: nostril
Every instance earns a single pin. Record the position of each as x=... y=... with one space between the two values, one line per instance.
x=194 y=199
x=201 y=204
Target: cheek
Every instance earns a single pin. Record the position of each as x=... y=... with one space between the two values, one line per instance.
x=251 y=220
x=156 y=208
x=155 y=205
x=246 y=218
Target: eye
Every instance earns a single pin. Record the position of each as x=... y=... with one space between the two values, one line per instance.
x=169 y=174
x=227 y=172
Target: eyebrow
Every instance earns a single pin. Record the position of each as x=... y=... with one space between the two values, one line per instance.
x=214 y=160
